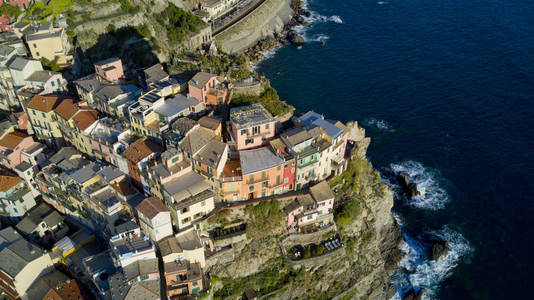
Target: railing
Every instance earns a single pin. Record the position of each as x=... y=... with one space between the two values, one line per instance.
x=310 y=162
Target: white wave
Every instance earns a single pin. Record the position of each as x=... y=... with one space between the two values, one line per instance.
x=432 y=196
x=417 y=271
x=382 y=2
x=319 y=38
x=380 y=124
x=265 y=55
x=335 y=19
x=299 y=48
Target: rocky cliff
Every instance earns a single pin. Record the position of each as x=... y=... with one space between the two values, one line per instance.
x=265 y=21
x=359 y=271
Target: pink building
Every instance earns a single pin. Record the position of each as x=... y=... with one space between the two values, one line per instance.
x=262 y=173
x=11 y=147
x=47 y=82
x=4 y=19
x=110 y=69
x=206 y=88
x=252 y=126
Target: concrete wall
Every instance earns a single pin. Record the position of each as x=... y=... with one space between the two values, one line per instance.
x=263 y=22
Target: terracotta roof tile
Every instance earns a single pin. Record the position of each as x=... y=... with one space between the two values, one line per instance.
x=151 y=206
x=12 y=139
x=8 y=181
x=85 y=118
x=66 y=109
x=44 y=103
x=140 y=149
x=124 y=188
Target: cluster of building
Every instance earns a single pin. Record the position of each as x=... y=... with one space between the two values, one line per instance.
x=143 y=168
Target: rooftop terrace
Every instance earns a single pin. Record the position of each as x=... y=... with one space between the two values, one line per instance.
x=251 y=115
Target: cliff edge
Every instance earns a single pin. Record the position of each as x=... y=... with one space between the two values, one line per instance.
x=360 y=268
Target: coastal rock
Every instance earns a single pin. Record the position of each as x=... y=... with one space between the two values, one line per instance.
x=412 y=295
x=409 y=187
x=438 y=248
x=294 y=38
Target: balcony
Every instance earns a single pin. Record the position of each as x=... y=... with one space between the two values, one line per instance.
x=310 y=162
x=258 y=180
x=308 y=151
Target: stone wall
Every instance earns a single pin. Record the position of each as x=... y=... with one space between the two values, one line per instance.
x=263 y=22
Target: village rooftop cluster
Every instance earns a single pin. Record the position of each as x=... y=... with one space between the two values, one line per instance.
x=108 y=190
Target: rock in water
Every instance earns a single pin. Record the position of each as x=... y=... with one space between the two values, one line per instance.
x=437 y=249
x=412 y=295
x=409 y=187
x=412 y=190
x=295 y=38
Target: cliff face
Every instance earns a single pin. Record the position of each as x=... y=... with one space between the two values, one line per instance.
x=359 y=271
x=263 y=22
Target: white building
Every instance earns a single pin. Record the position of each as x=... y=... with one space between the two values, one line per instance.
x=154 y=218
x=131 y=245
x=190 y=198
x=21 y=263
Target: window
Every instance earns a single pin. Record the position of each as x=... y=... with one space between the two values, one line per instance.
x=185 y=209
x=203 y=203
x=266 y=126
x=52 y=83
x=278 y=179
x=251 y=188
x=33 y=111
x=243 y=132
x=251 y=178
x=186 y=220
x=263 y=175
x=265 y=184
x=35 y=46
x=278 y=168
x=175 y=159
x=44 y=116
x=195 y=283
x=255 y=130
x=37 y=53
x=21 y=200
x=309 y=217
x=144 y=277
x=58 y=82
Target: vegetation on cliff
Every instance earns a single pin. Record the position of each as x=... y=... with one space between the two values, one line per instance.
x=269 y=99
x=178 y=23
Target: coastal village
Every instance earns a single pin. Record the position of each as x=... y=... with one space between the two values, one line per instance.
x=137 y=183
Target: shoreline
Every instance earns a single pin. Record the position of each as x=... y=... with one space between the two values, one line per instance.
x=286 y=37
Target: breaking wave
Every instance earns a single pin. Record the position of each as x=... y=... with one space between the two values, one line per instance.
x=417 y=271
x=335 y=19
x=379 y=124
x=265 y=55
x=432 y=195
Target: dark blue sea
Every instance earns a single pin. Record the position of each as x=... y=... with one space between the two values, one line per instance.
x=445 y=90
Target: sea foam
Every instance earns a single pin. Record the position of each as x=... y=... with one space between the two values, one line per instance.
x=432 y=195
x=379 y=124
x=417 y=271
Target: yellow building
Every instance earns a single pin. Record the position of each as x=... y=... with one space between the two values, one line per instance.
x=43 y=118
x=49 y=42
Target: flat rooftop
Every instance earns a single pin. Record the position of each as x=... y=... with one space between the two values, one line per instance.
x=251 y=115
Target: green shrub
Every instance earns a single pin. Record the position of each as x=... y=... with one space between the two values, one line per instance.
x=178 y=23
x=269 y=99
x=12 y=11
